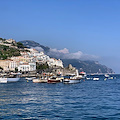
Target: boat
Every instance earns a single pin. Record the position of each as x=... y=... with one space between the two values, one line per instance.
x=82 y=74
x=54 y=79
x=36 y=80
x=107 y=76
x=30 y=78
x=40 y=80
x=13 y=77
x=73 y=78
x=3 y=80
x=96 y=78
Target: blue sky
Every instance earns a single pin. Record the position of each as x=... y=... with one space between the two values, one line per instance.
x=89 y=26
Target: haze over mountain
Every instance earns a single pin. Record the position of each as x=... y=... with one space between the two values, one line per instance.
x=83 y=62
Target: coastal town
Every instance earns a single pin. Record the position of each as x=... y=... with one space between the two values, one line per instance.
x=28 y=60
x=31 y=63
x=35 y=65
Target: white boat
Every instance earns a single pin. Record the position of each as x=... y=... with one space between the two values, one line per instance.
x=36 y=80
x=96 y=78
x=82 y=74
x=73 y=78
x=106 y=75
x=30 y=78
x=3 y=80
x=40 y=80
x=13 y=77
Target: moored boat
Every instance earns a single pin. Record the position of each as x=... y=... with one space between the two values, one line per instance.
x=3 y=80
x=54 y=79
x=96 y=78
x=36 y=80
x=72 y=79
x=30 y=78
x=40 y=80
x=13 y=77
x=107 y=76
x=82 y=74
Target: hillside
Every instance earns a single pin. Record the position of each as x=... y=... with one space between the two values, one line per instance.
x=87 y=66
x=33 y=44
x=10 y=48
x=6 y=52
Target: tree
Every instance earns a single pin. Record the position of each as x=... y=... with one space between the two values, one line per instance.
x=20 y=45
x=42 y=66
x=16 y=69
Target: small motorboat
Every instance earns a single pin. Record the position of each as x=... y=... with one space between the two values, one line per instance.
x=54 y=79
x=40 y=80
x=107 y=76
x=96 y=78
x=30 y=78
x=71 y=81
x=73 y=78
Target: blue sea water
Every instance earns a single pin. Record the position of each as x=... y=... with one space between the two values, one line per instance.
x=88 y=100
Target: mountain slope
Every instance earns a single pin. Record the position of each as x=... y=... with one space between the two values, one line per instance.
x=88 y=66
x=33 y=44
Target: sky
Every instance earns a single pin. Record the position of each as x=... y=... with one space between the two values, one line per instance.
x=90 y=28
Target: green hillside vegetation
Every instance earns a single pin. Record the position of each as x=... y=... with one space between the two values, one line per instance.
x=42 y=66
x=6 y=52
x=20 y=45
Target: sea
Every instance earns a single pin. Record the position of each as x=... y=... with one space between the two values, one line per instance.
x=88 y=100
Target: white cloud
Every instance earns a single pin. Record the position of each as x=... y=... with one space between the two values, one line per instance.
x=65 y=54
x=39 y=49
x=65 y=50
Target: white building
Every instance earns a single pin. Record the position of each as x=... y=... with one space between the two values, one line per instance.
x=10 y=41
x=13 y=65
x=27 y=67
x=55 y=62
x=33 y=50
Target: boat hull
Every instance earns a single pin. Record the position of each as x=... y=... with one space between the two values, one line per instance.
x=53 y=81
x=6 y=80
x=39 y=81
x=3 y=80
x=13 y=79
x=30 y=78
x=95 y=78
x=71 y=81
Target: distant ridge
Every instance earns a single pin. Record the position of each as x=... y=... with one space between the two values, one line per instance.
x=30 y=43
x=87 y=66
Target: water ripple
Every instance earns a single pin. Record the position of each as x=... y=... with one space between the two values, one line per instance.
x=89 y=100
